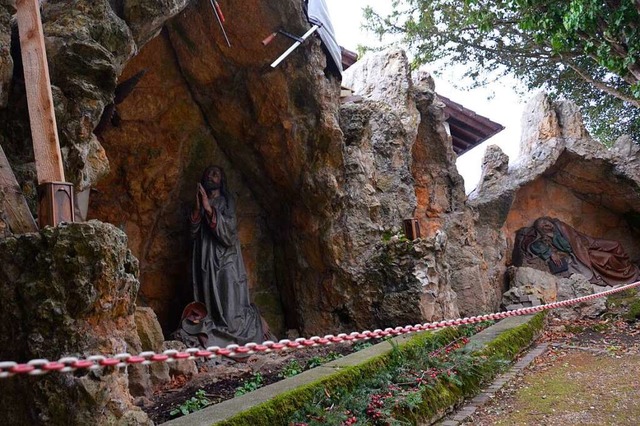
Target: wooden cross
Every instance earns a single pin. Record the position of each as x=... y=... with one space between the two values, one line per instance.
x=55 y=195
x=44 y=132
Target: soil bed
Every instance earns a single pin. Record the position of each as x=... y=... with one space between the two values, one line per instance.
x=221 y=378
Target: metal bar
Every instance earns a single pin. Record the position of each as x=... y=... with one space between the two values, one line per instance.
x=215 y=11
x=291 y=36
x=294 y=46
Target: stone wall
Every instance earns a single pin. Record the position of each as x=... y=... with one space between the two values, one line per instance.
x=68 y=291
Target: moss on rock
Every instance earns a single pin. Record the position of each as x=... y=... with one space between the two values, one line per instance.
x=68 y=291
x=437 y=399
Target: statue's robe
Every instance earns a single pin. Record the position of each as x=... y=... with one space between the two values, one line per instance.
x=219 y=281
x=600 y=261
x=606 y=258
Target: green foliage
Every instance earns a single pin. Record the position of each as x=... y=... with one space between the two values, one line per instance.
x=587 y=51
x=625 y=304
x=292 y=368
x=317 y=361
x=346 y=383
x=256 y=381
x=396 y=394
x=634 y=311
x=195 y=403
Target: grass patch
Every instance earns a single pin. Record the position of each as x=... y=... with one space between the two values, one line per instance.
x=634 y=311
x=580 y=388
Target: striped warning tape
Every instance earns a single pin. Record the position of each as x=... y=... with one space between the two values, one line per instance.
x=69 y=364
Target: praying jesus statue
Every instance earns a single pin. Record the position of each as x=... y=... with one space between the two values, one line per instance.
x=219 y=278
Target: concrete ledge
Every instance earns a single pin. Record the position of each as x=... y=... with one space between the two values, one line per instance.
x=347 y=369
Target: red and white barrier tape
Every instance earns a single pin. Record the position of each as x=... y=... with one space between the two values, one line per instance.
x=68 y=364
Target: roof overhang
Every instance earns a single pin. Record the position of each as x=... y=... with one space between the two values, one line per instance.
x=467 y=128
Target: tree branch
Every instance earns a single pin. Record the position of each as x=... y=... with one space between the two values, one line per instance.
x=602 y=86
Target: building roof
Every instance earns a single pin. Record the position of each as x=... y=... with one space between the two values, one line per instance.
x=467 y=128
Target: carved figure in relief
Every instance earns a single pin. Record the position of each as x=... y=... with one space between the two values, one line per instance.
x=222 y=313
x=566 y=250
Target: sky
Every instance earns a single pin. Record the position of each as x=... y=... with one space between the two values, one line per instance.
x=499 y=102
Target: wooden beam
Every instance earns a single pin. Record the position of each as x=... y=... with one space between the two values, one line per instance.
x=44 y=132
x=13 y=207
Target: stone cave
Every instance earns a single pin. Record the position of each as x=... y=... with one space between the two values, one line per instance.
x=318 y=183
x=322 y=186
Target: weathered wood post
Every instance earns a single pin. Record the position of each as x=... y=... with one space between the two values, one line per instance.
x=55 y=196
x=14 y=210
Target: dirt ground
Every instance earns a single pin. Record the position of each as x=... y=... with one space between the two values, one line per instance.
x=589 y=376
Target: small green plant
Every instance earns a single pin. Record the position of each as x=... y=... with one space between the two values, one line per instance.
x=600 y=327
x=358 y=346
x=317 y=361
x=575 y=329
x=634 y=311
x=255 y=382
x=293 y=368
x=195 y=403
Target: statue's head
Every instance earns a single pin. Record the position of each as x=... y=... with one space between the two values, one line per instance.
x=214 y=178
x=545 y=225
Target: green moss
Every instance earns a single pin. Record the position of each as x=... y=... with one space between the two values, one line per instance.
x=622 y=299
x=437 y=399
x=626 y=304
x=508 y=344
x=634 y=311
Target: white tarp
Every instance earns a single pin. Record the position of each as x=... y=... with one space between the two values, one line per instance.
x=318 y=14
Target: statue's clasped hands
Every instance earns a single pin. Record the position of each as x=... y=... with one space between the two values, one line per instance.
x=203 y=200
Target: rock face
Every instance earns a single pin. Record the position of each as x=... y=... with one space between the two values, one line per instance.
x=400 y=297
x=532 y=287
x=68 y=291
x=564 y=173
x=474 y=250
x=143 y=379
x=272 y=131
x=386 y=77
x=88 y=46
x=318 y=185
x=439 y=195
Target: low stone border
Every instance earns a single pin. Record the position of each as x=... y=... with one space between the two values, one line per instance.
x=478 y=401
x=277 y=401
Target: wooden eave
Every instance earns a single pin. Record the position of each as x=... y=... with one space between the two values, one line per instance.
x=467 y=128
